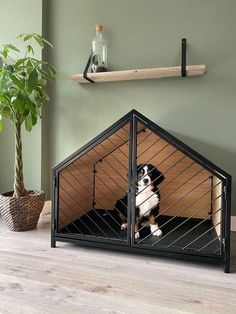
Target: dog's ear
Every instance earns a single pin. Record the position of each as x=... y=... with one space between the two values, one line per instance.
x=157 y=176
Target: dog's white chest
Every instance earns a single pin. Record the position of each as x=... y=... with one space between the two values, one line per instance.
x=146 y=200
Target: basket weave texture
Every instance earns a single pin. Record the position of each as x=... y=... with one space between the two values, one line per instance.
x=22 y=213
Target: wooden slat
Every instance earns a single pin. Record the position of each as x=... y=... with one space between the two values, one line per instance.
x=217 y=217
x=154 y=73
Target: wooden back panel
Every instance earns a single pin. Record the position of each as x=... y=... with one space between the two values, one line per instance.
x=78 y=184
x=186 y=190
x=216 y=205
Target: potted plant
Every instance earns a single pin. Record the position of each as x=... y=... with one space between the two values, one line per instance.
x=22 y=93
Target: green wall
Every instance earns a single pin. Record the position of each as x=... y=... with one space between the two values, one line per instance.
x=20 y=16
x=200 y=111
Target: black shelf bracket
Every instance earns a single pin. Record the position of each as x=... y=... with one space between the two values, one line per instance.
x=183 y=58
x=183 y=62
x=85 y=76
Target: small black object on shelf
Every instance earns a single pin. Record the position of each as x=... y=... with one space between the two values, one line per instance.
x=183 y=63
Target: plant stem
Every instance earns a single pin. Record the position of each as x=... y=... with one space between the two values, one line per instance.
x=19 y=188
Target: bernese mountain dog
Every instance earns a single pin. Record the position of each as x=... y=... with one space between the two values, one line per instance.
x=147 y=200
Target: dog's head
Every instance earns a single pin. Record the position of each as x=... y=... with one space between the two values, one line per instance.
x=147 y=174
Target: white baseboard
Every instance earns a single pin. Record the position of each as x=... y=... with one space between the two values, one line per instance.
x=233 y=223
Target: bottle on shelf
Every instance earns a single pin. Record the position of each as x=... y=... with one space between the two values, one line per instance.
x=99 y=51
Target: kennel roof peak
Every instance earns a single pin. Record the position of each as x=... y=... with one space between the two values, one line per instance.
x=135 y=115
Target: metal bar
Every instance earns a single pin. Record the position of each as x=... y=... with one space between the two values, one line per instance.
x=65 y=226
x=201 y=235
x=93 y=208
x=227 y=222
x=132 y=176
x=85 y=76
x=175 y=189
x=149 y=148
x=147 y=136
x=112 y=155
x=216 y=251
x=66 y=214
x=107 y=173
x=73 y=211
x=100 y=192
x=183 y=58
x=182 y=223
x=178 y=212
x=202 y=248
x=94 y=185
x=68 y=217
x=166 y=172
x=153 y=156
x=102 y=183
x=160 y=164
x=211 y=193
x=83 y=210
x=176 y=203
x=102 y=159
x=122 y=143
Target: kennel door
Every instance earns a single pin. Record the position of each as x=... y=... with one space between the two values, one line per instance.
x=91 y=184
x=190 y=199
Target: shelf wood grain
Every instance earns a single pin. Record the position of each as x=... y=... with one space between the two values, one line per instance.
x=141 y=74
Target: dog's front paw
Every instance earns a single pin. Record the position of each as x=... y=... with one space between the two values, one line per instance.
x=124 y=226
x=157 y=233
x=137 y=235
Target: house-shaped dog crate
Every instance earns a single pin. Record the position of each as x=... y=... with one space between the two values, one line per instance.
x=194 y=204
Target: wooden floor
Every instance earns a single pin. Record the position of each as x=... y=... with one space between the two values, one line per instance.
x=36 y=279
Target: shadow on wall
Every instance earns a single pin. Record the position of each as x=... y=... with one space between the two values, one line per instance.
x=222 y=157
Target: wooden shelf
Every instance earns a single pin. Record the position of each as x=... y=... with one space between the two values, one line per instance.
x=153 y=73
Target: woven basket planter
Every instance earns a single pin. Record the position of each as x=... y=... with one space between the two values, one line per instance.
x=22 y=213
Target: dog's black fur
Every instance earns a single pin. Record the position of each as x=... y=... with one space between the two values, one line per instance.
x=155 y=177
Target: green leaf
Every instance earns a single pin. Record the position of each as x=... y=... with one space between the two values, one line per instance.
x=45 y=95
x=19 y=103
x=20 y=61
x=26 y=37
x=6 y=113
x=33 y=80
x=30 y=49
x=28 y=122
x=1 y=125
x=4 y=52
x=52 y=71
x=12 y=47
x=30 y=106
x=17 y=82
x=39 y=40
x=47 y=42
x=4 y=81
x=34 y=119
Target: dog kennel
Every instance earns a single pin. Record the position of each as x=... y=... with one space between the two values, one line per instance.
x=194 y=213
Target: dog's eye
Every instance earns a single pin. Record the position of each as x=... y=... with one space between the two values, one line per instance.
x=141 y=173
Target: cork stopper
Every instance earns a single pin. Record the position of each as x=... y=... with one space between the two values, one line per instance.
x=98 y=27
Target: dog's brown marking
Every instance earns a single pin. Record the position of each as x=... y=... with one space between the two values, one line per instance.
x=152 y=220
x=122 y=218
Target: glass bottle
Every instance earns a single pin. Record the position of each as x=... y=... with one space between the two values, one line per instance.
x=99 y=51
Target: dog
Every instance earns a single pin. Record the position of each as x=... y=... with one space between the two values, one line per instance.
x=147 y=200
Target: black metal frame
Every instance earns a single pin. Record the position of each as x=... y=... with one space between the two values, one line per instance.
x=133 y=117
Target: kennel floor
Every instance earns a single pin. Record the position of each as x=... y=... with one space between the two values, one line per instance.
x=102 y=223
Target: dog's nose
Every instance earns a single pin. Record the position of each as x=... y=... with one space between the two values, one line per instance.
x=145 y=181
